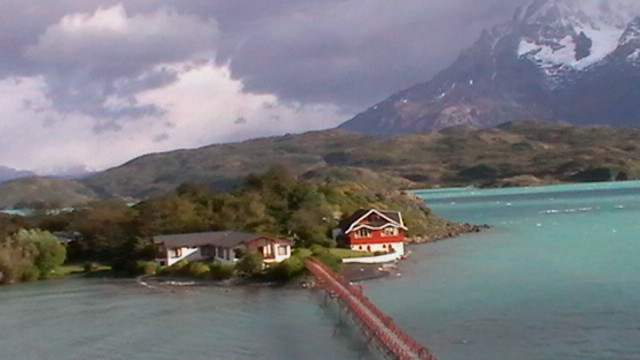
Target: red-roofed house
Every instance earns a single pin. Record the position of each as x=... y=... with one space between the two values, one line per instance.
x=373 y=231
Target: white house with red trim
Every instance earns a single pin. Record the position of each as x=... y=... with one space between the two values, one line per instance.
x=373 y=231
x=224 y=246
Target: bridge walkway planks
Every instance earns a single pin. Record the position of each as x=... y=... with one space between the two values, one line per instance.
x=373 y=321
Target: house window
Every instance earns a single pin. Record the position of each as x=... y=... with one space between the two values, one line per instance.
x=206 y=251
x=177 y=252
x=282 y=250
x=161 y=251
x=390 y=231
x=363 y=233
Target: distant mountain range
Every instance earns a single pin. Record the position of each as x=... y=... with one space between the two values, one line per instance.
x=7 y=173
x=556 y=60
x=538 y=153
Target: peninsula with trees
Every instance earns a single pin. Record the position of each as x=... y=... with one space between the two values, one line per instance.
x=275 y=203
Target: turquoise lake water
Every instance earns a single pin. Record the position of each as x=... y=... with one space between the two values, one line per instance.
x=556 y=277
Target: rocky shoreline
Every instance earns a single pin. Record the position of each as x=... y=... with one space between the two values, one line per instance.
x=449 y=230
x=363 y=272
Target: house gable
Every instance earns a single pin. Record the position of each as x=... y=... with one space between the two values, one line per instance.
x=372 y=219
x=373 y=231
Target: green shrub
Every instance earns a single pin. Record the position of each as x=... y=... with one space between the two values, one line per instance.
x=302 y=253
x=287 y=270
x=332 y=261
x=478 y=172
x=317 y=250
x=14 y=267
x=51 y=253
x=89 y=266
x=198 y=270
x=250 y=265
x=221 y=271
x=146 y=267
x=180 y=268
x=593 y=175
x=164 y=271
x=28 y=272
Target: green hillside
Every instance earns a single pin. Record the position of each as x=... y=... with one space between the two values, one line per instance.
x=38 y=191
x=512 y=154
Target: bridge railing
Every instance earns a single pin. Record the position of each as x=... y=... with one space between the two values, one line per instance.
x=368 y=314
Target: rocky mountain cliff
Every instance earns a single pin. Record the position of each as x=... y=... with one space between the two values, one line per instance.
x=576 y=61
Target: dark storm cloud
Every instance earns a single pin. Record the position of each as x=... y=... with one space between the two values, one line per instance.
x=137 y=76
x=22 y=22
x=351 y=53
x=90 y=50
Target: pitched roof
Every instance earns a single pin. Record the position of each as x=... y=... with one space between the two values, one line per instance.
x=393 y=217
x=217 y=238
x=346 y=222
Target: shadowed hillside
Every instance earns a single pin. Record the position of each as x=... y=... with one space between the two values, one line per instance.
x=512 y=154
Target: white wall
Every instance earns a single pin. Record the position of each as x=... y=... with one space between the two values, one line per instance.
x=192 y=253
x=373 y=259
x=277 y=257
x=398 y=247
x=226 y=253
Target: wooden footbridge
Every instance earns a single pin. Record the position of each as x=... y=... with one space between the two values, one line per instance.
x=372 y=321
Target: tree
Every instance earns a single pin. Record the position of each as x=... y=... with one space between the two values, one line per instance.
x=28 y=255
x=15 y=265
x=287 y=269
x=107 y=228
x=51 y=253
x=45 y=251
x=251 y=264
x=170 y=214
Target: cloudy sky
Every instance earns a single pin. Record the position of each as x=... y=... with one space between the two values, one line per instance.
x=89 y=84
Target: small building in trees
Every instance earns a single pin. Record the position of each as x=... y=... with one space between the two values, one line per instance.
x=373 y=231
x=224 y=246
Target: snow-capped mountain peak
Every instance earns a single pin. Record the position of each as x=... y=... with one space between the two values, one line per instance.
x=616 y=13
x=570 y=60
x=570 y=35
x=631 y=33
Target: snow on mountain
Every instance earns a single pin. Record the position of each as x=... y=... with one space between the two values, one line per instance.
x=556 y=60
x=573 y=35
